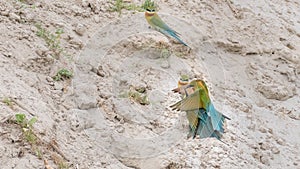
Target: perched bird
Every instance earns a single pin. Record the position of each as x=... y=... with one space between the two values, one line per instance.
x=203 y=118
x=192 y=116
x=155 y=21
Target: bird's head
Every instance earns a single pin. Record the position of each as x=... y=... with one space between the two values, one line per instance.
x=184 y=80
x=149 y=6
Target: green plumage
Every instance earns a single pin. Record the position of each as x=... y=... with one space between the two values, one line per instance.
x=204 y=119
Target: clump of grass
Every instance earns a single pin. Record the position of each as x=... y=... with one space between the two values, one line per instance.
x=62 y=165
x=52 y=39
x=184 y=77
x=137 y=94
x=120 y=4
x=149 y=4
x=165 y=53
x=27 y=127
x=164 y=49
x=63 y=74
x=7 y=101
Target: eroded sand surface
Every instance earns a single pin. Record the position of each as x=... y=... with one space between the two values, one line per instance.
x=247 y=52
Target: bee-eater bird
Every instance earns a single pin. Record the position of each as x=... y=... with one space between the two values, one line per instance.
x=192 y=116
x=202 y=116
x=155 y=21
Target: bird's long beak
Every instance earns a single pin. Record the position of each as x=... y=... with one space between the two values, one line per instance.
x=176 y=90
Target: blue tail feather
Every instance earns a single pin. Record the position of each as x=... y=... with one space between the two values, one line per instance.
x=205 y=128
x=174 y=35
x=217 y=118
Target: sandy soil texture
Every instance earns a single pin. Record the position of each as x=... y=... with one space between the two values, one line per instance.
x=248 y=52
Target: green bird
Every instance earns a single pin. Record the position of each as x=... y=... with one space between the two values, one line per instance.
x=203 y=118
x=156 y=22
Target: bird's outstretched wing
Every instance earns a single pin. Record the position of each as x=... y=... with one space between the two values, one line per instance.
x=191 y=102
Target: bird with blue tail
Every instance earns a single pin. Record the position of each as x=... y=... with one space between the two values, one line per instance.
x=156 y=23
x=204 y=119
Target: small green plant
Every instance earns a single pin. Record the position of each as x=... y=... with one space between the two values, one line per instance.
x=138 y=95
x=184 y=77
x=52 y=39
x=63 y=74
x=8 y=101
x=165 y=53
x=27 y=127
x=148 y=4
x=39 y=153
x=120 y=4
x=62 y=165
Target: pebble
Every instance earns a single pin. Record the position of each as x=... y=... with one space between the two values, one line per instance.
x=120 y=129
x=14 y=16
x=80 y=29
x=58 y=86
x=280 y=141
x=264 y=146
x=165 y=64
x=96 y=18
x=265 y=160
x=49 y=79
x=77 y=44
x=262 y=129
x=275 y=150
x=5 y=13
x=256 y=155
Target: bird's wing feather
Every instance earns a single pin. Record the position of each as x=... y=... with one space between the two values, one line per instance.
x=156 y=20
x=191 y=102
x=193 y=119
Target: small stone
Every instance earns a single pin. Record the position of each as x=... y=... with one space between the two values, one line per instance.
x=120 y=129
x=254 y=146
x=256 y=155
x=264 y=146
x=14 y=16
x=262 y=129
x=280 y=141
x=77 y=44
x=165 y=64
x=251 y=126
x=7 y=54
x=270 y=131
x=264 y=160
x=5 y=13
x=100 y=72
x=96 y=18
x=58 y=86
x=275 y=150
x=49 y=79
x=80 y=29
x=216 y=150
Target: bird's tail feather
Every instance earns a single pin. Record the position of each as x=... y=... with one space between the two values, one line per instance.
x=217 y=118
x=205 y=128
x=174 y=35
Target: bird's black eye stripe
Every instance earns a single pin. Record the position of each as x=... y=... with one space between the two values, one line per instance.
x=150 y=10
